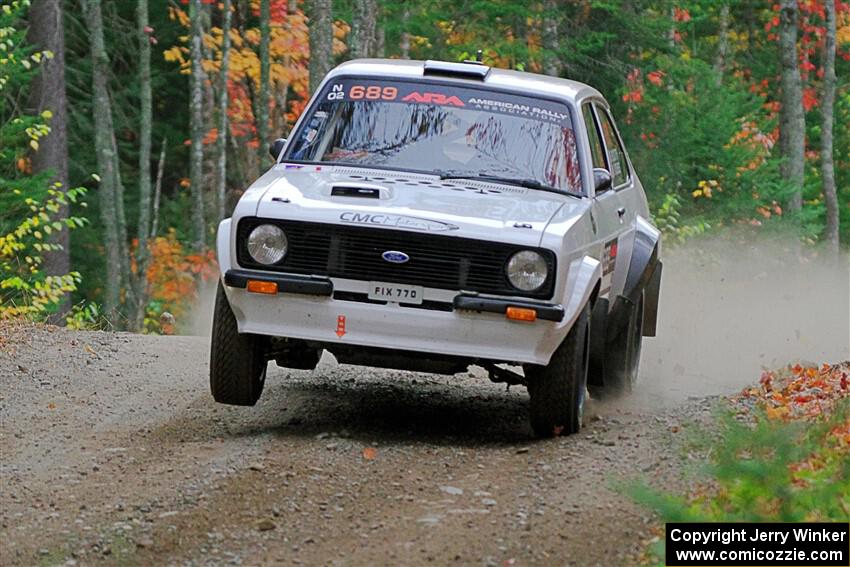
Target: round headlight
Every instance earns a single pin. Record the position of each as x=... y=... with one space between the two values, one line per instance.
x=267 y=244
x=527 y=270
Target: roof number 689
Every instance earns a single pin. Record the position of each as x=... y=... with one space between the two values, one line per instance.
x=358 y=92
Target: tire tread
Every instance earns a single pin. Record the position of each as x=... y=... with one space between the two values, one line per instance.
x=553 y=389
x=237 y=363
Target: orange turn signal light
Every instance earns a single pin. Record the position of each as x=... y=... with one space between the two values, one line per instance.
x=256 y=286
x=521 y=314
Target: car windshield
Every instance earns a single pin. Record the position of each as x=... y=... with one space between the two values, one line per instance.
x=443 y=129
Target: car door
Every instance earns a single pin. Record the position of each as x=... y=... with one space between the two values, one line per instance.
x=608 y=210
x=625 y=186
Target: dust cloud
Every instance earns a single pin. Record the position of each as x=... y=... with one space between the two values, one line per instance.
x=199 y=321
x=733 y=305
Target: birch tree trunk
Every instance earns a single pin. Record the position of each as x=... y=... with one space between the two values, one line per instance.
x=281 y=89
x=792 y=119
x=48 y=93
x=157 y=190
x=405 y=35
x=104 y=150
x=196 y=108
x=130 y=298
x=363 y=38
x=827 y=112
x=223 y=124
x=551 y=61
x=321 y=40
x=145 y=120
x=263 y=104
x=380 y=42
x=722 y=43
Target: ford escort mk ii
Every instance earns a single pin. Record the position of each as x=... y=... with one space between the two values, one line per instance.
x=431 y=216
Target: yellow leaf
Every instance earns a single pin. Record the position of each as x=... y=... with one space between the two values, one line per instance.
x=173 y=55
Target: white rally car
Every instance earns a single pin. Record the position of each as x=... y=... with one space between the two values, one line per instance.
x=430 y=216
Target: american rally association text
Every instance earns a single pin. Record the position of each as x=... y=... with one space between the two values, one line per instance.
x=756 y=533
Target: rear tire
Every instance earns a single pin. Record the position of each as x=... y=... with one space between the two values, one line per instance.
x=557 y=390
x=237 y=361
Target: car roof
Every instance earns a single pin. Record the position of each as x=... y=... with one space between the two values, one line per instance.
x=532 y=83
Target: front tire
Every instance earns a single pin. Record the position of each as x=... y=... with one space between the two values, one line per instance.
x=557 y=390
x=237 y=361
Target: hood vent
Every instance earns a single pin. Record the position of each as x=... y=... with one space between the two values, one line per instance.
x=352 y=191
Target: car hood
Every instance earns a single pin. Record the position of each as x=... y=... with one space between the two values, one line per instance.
x=403 y=201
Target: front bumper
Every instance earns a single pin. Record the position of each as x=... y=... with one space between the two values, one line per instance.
x=448 y=323
x=290 y=283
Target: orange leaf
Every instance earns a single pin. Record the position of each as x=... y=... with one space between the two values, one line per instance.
x=369 y=453
x=656 y=78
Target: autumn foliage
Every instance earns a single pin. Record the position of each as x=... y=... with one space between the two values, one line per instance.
x=808 y=393
x=289 y=53
x=677 y=98
x=781 y=454
x=174 y=278
x=801 y=392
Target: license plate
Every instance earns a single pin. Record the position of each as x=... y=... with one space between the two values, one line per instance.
x=395 y=293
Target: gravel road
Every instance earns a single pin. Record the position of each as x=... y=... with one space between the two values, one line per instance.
x=113 y=452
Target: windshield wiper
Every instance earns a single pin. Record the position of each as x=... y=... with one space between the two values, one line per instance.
x=518 y=181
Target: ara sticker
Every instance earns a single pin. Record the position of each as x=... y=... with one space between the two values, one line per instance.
x=435 y=98
x=340 y=326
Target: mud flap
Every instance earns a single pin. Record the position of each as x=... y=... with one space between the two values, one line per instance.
x=598 y=342
x=651 y=295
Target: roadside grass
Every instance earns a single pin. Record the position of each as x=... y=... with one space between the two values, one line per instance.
x=116 y=549
x=779 y=452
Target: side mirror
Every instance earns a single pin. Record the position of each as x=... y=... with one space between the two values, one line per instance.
x=276 y=147
x=601 y=179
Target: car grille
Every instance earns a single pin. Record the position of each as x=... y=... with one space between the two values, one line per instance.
x=437 y=261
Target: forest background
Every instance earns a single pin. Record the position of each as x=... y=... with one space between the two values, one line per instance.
x=128 y=129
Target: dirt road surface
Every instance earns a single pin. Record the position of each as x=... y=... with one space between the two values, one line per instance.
x=113 y=452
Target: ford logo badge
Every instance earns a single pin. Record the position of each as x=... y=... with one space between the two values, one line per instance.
x=395 y=257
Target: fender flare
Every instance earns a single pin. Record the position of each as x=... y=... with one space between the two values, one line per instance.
x=582 y=285
x=222 y=246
